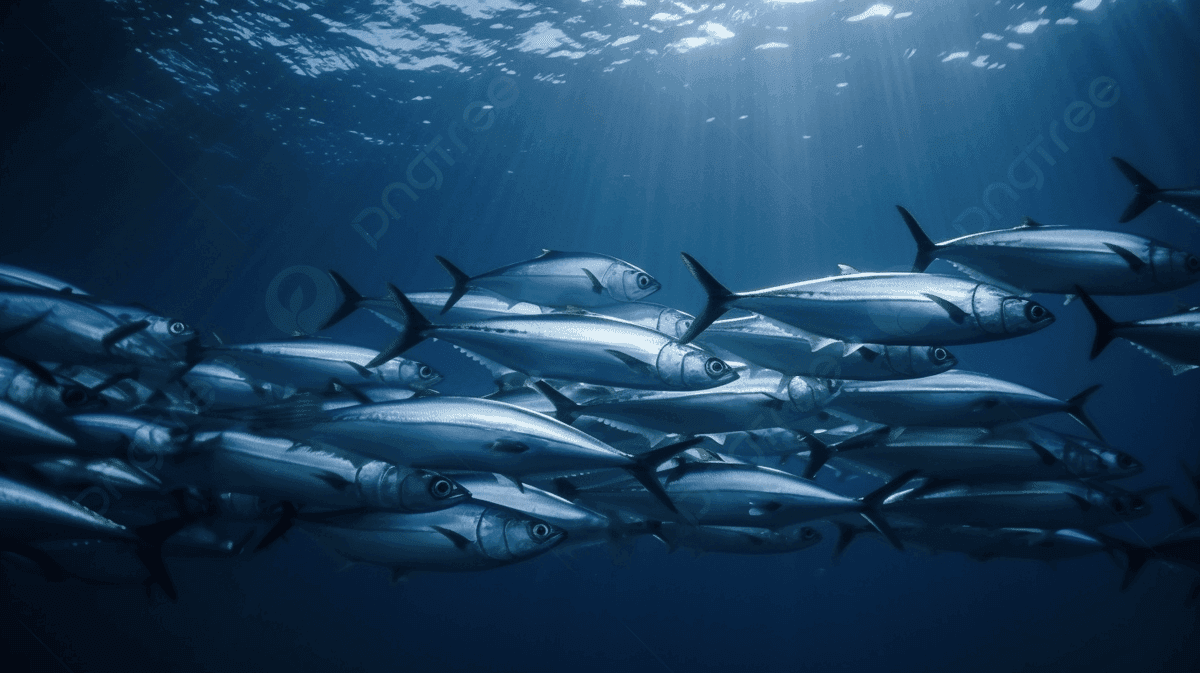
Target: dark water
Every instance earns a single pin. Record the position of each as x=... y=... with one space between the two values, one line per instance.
x=188 y=154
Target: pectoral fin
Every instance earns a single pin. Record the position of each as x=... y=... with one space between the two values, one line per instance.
x=632 y=362
x=459 y=540
x=596 y=286
x=1084 y=505
x=1135 y=263
x=122 y=332
x=956 y=314
x=362 y=371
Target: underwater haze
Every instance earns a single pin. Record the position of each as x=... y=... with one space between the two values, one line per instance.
x=212 y=159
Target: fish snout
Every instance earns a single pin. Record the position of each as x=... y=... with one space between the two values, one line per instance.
x=1024 y=315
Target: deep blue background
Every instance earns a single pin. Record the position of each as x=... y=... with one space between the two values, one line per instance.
x=118 y=178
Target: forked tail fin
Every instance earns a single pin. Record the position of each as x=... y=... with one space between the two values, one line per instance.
x=1146 y=191
x=926 y=248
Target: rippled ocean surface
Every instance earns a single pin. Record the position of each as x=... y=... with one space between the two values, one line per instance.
x=210 y=159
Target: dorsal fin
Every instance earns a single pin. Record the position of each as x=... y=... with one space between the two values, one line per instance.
x=1030 y=222
x=846 y=270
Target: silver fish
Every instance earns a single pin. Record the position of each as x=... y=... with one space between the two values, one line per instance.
x=760 y=399
x=956 y=399
x=1084 y=457
x=51 y=393
x=29 y=514
x=138 y=440
x=793 y=351
x=44 y=326
x=669 y=321
x=280 y=469
x=1040 y=504
x=559 y=279
x=589 y=349
x=738 y=539
x=1149 y=194
x=582 y=525
x=112 y=473
x=1172 y=339
x=312 y=364
x=902 y=309
x=468 y=536
x=470 y=434
x=1038 y=258
x=738 y=494
x=983 y=544
x=968 y=456
x=15 y=276
x=22 y=431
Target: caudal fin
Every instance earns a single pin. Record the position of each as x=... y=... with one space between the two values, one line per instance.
x=415 y=325
x=871 y=502
x=1136 y=556
x=819 y=453
x=1075 y=410
x=645 y=469
x=350 y=300
x=1146 y=190
x=1104 y=324
x=149 y=551
x=926 y=248
x=460 y=282
x=718 y=299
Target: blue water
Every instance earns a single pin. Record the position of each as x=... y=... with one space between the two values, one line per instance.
x=188 y=154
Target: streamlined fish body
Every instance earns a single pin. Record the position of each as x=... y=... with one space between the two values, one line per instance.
x=954 y=398
x=790 y=350
x=903 y=309
x=580 y=523
x=469 y=536
x=313 y=364
x=1056 y=259
x=738 y=539
x=1149 y=194
x=28 y=514
x=1174 y=339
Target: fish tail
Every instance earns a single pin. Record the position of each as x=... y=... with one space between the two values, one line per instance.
x=151 y=538
x=870 y=507
x=1104 y=324
x=350 y=300
x=846 y=535
x=1136 y=556
x=415 y=327
x=1075 y=410
x=926 y=248
x=819 y=454
x=646 y=464
x=287 y=518
x=1146 y=190
x=719 y=297
x=461 y=280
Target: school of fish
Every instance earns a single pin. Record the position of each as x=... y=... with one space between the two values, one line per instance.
x=131 y=438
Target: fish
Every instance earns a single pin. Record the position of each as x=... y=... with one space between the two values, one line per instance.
x=1085 y=458
x=790 y=350
x=663 y=319
x=472 y=434
x=1035 y=257
x=955 y=454
x=318 y=476
x=1149 y=194
x=114 y=474
x=468 y=536
x=1181 y=549
x=901 y=309
x=24 y=431
x=763 y=399
x=737 y=539
x=135 y=439
x=1173 y=340
x=1032 y=504
x=588 y=349
x=719 y=493
x=55 y=393
x=18 y=277
x=956 y=399
x=984 y=544
x=581 y=524
x=311 y=364
x=38 y=326
x=558 y=279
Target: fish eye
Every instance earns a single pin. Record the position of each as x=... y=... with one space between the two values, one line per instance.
x=540 y=532
x=1118 y=505
x=1137 y=503
x=441 y=488
x=177 y=327
x=425 y=372
x=940 y=354
x=715 y=367
x=1125 y=460
x=1193 y=264
x=73 y=397
x=643 y=281
x=807 y=533
x=1035 y=312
